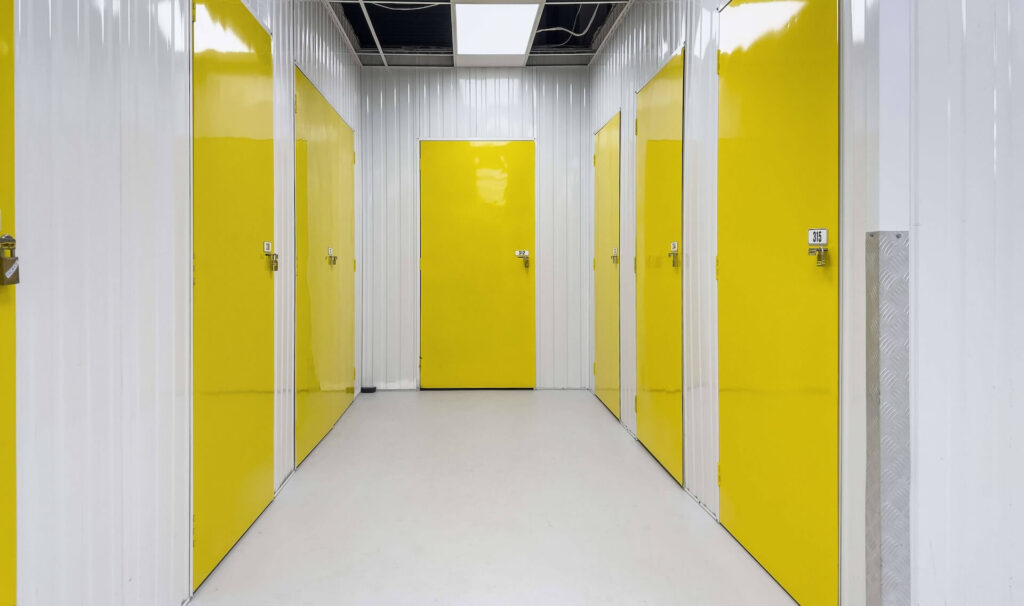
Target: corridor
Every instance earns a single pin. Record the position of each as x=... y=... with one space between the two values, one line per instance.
x=484 y=497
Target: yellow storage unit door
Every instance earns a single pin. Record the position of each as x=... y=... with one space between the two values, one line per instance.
x=324 y=277
x=7 y=328
x=233 y=295
x=778 y=309
x=659 y=272
x=606 y=264
x=476 y=267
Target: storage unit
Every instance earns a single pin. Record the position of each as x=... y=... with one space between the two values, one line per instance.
x=658 y=266
x=233 y=278
x=607 y=260
x=477 y=203
x=778 y=200
x=325 y=370
x=8 y=526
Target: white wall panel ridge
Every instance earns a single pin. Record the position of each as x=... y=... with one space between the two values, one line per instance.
x=103 y=137
x=402 y=106
x=103 y=174
x=967 y=293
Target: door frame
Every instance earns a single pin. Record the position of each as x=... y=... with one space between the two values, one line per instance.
x=419 y=232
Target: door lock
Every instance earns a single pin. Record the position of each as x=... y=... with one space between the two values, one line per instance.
x=332 y=259
x=821 y=254
x=615 y=256
x=272 y=258
x=9 y=272
x=525 y=256
x=673 y=251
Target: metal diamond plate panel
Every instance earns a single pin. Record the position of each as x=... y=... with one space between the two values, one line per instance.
x=888 y=422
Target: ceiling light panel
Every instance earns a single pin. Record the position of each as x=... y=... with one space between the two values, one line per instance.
x=494 y=29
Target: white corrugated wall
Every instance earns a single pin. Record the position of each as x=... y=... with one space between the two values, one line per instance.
x=306 y=35
x=967 y=297
x=404 y=105
x=103 y=192
x=648 y=35
x=102 y=177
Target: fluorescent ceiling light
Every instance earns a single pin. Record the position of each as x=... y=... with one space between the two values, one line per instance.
x=494 y=29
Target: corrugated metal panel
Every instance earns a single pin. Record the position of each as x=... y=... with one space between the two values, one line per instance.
x=404 y=105
x=967 y=293
x=102 y=110
x=304 y=34
x=103 y=183
x=648 y=35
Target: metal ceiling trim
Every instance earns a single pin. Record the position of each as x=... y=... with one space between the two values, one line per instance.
x=373 y=32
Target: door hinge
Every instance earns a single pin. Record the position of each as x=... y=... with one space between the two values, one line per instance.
x=595 y=159
x=296 y=104
x=634 y=264
x=595 y=263
x=636 y=127
x=353 y=264
x=353 y=157
x=719 y=474
x=716 y=267
x=718 y=63
x=353 y=373
x=595 y=369
x=636 y=403
x=193 y=11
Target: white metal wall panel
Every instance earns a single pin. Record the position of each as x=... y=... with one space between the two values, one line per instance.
x=403 y=106
x=967 y=293
x=103 y=180
x=647 y=36
x=305 y=34
x=102 y=175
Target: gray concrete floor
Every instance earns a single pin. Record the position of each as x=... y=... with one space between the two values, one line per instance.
x=485 y=497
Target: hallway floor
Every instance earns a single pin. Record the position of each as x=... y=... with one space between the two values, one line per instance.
x=485 y=497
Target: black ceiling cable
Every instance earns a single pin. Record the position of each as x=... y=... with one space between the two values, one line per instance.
x=571 y=33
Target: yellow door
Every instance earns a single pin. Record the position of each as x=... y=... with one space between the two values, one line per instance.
x=659 y=286
x=7 y=344
x=778 y=310
x=476 y=281
x=324 y=279
x=606 y=265
x=233 y=330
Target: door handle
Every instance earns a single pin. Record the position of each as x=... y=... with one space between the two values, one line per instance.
x=525 y=256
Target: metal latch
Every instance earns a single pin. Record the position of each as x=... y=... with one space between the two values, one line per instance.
x=332 y=259
x=272 y=258
x=525 y=256
x=821 y=254
x=10 y=274
x=673 y=251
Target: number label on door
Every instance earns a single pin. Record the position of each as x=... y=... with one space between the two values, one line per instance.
x=268 y=247
x=817 y=237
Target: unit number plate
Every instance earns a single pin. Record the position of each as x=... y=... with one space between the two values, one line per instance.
x=817 y=237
